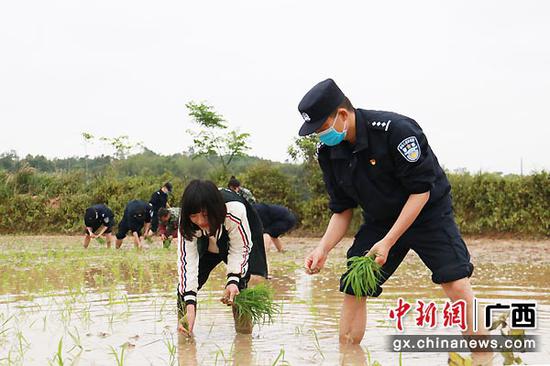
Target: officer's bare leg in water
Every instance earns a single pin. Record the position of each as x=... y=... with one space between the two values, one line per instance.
x=382 y=162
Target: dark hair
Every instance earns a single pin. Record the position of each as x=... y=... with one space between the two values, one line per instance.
x=90 y=216
x=233 y=182
x=163 y=211
x=200 y=195
x=346 y=104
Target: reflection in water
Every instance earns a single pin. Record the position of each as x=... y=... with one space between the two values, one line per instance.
x=352 y=354
x=187 y=351
x=240 y=352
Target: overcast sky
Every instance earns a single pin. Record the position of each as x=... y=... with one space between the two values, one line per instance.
x=474 y=74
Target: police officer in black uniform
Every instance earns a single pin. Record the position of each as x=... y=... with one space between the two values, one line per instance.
x=276 y=220
x=137 y=216
x=382 y=162
x=159 y=200
x=99 y=220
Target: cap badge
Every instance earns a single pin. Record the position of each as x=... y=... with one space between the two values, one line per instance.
x=306 y=117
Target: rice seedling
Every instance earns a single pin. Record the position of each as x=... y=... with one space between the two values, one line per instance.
x=166 y=243
x=3 y=328
x=185 y=323
x=58 y=356
x=22 y=344
x=85 y=315
x=111 y=320
x=119 y=357
x=171 y=347
x=76 y=339
x=255 y=305
x=316 y=342
x=219 y=353
x=362 y=276
x=280 y=360
x=100 y=240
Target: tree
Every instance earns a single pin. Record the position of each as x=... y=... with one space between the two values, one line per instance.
x=121 y=145
x=213 y=139
x=304 y=150
x=9 y=160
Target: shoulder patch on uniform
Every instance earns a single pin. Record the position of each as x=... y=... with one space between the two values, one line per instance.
x=379 y=125
x=106 y=220
x=410 y=149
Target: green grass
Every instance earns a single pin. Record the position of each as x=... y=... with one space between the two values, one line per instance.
x=362 y=276
x=257 y=304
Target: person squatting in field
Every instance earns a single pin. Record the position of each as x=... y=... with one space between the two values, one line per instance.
x=276 y=220
x=159 y=199
x=99 y=220
x=168 y=222
x=382 y=162
x=235 y=185
x=137 y=219
x=216 y=225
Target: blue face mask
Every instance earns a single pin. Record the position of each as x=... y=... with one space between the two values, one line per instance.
x=331 y=136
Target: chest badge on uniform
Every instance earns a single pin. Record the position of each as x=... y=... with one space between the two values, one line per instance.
x=410 y=149
x=372 y=162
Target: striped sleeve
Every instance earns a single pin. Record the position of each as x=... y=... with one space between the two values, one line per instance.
x=240 y=243
x=188 y=269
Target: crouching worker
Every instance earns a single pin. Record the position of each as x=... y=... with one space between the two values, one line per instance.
x=137 y=216
x=168 y=224
x=276 y=221
x=99 y=220
x=159 y=200
x=216 y=226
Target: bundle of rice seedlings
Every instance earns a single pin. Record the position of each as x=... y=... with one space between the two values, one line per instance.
x=100 y=240
x=362 y=276
x=184 y=322
x=254 y=305
x=166 y=243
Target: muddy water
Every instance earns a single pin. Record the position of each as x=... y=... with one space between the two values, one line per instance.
x=100 y=302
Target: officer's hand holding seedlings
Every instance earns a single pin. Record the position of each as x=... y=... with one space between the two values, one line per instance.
x=216 y=225
x=98 y=218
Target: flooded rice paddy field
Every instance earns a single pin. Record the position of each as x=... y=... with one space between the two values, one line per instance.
x=61 y=304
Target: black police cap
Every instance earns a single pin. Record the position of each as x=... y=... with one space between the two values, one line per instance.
x=168 y=186
x=318 y=104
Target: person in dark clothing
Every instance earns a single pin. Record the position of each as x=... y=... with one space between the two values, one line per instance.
x=382 y=162
x=99 y=220
x=235 y=185
x=276 y=220
x=216 y=225
x=137 y=216
x=159 y=200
